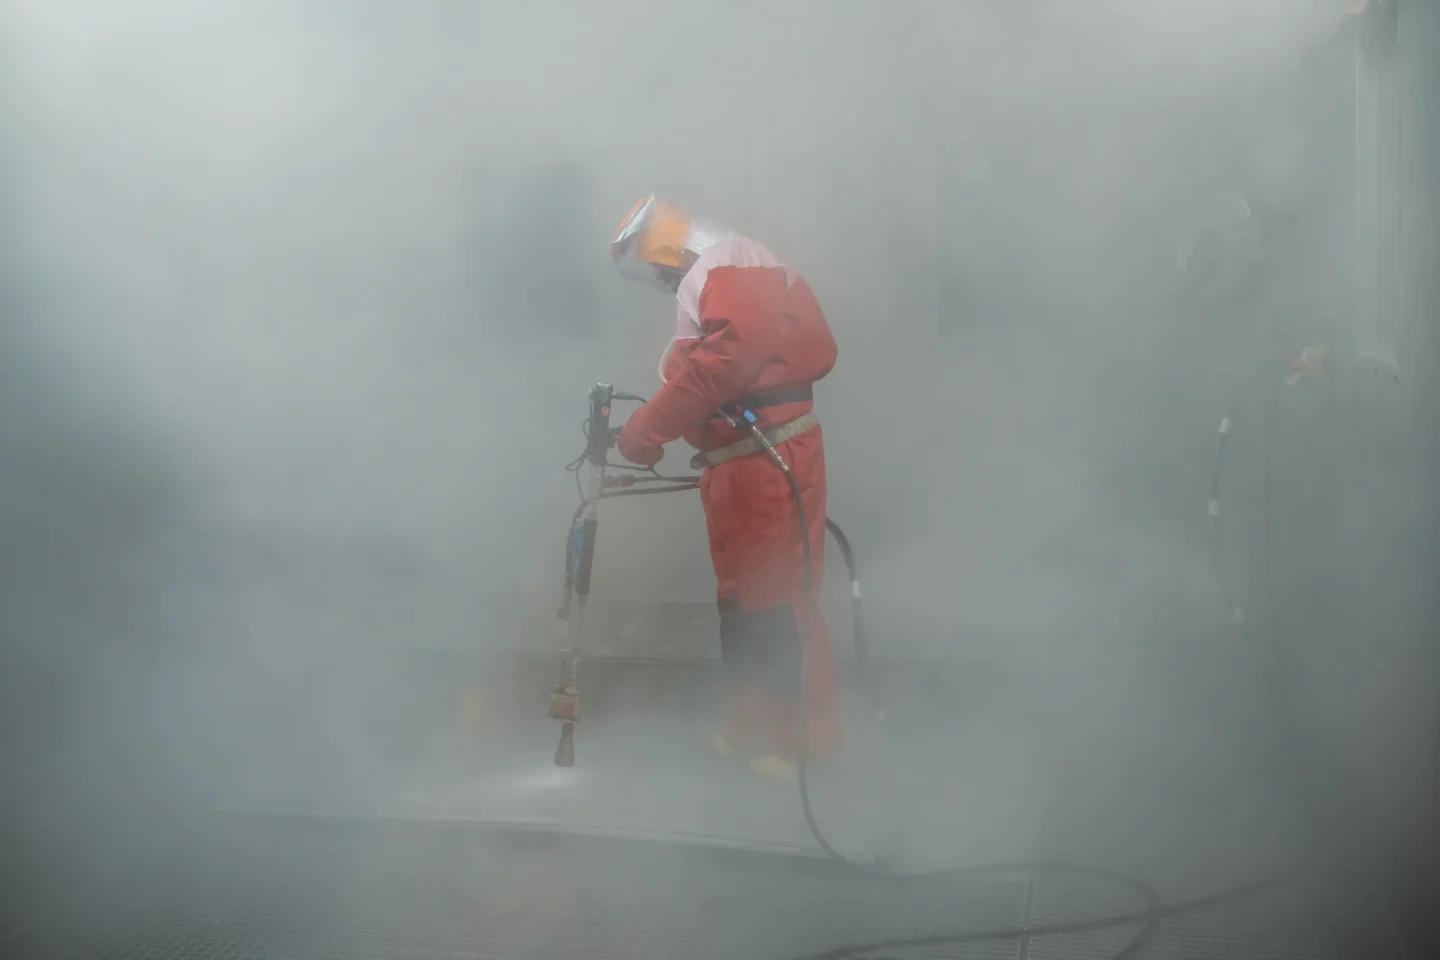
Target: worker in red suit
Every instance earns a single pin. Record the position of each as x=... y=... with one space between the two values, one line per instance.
x=750 y=335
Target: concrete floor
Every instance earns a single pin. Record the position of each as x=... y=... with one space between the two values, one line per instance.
x=966 y=770
x=972 y=767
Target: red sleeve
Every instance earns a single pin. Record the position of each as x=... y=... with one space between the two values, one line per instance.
x=741 y=320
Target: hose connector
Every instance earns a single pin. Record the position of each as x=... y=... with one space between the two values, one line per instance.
x=746 y=420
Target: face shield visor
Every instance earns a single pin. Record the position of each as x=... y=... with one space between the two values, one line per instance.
x=658 y=243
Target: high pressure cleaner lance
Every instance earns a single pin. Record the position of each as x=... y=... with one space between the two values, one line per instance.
x=580 y=561
x=565 y=695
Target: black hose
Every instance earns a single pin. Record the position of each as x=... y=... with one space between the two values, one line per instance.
x=1155 y=911
x=1151 y=916
x=847 y=553
x=805 y=628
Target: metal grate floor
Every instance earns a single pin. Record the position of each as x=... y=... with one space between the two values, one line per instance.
x=308 y=889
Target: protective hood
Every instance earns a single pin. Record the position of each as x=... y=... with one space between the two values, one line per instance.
x=658 y=243
x=661 y=246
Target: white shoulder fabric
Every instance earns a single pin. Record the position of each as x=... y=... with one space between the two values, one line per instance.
x=732 y=251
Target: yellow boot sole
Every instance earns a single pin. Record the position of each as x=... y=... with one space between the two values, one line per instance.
x=774 y=769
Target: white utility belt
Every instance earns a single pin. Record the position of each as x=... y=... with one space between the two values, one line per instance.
x=746 y=446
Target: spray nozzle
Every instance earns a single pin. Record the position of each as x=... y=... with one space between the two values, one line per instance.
x=565 y=750
x=565 y=707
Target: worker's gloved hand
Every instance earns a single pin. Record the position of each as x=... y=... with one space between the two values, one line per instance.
x=636 y=451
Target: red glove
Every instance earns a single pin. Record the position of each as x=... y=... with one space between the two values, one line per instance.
x=632 y=447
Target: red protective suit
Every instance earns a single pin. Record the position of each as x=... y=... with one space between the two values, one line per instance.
x=760 y=330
